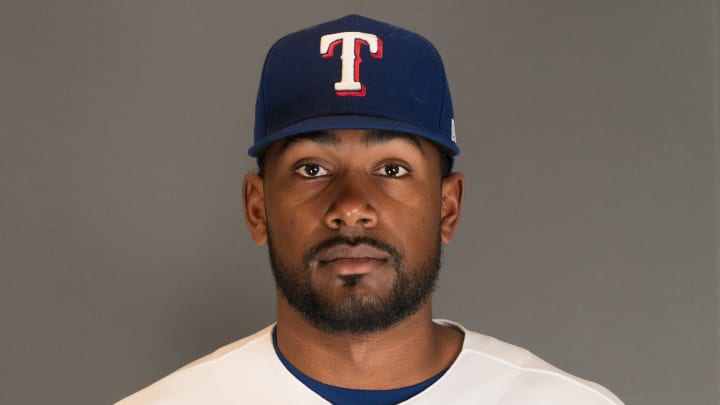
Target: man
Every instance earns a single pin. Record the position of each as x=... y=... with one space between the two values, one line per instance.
x=355 y=141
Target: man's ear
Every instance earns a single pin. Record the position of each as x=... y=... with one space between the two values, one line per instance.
x=452 y=195
x=254 y=205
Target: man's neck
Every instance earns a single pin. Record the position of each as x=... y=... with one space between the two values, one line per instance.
x=407 y=353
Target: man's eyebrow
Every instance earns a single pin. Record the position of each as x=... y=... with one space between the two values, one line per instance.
x=322 y=137
x=376 y=137
x=371 y=138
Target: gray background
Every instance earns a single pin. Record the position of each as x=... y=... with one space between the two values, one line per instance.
x=589 y=132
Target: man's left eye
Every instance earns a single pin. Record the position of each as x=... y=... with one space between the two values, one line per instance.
x=392 y=170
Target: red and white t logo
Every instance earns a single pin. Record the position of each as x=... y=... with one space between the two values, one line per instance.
x=350 y=85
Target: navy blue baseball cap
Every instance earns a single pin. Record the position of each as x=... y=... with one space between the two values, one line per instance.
x=353 y=73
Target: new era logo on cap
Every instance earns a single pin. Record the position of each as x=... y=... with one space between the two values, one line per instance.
x=353 y=73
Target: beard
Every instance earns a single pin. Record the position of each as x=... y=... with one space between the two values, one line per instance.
x=357 y=311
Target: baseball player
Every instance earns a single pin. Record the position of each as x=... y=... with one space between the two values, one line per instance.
x=355 y=194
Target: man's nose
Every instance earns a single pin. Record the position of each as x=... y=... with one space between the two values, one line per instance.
x=351 y=206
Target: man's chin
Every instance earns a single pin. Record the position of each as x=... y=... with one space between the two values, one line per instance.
x=356 y=291
x=355 y=313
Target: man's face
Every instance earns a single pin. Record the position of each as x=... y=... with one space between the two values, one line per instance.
x=354 y=221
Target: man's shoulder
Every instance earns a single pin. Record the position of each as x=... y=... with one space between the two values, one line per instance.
x=200 y=381
x=519 y=376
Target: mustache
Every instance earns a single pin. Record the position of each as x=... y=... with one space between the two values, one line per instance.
x=315 y=250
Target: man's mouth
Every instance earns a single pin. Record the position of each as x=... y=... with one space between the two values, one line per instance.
x=347 y=259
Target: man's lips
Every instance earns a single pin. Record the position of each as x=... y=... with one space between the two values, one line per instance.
x=352 y=260
x=351 y=253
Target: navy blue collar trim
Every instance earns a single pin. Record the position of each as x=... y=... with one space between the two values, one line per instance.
x=348 y=396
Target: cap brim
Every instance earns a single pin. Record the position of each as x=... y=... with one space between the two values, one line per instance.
x=350 y=122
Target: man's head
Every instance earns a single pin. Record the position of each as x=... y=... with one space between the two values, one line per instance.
x=355 y=195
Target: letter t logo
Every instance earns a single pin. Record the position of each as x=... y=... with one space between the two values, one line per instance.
x=349 y=84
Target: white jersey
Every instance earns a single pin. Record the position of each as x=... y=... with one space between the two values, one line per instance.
x=486 y=372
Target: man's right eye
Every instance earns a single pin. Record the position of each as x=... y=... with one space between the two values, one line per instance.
x=310 y=170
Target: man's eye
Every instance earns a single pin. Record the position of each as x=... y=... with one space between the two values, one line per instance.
x=392 y=170
x=311 y=170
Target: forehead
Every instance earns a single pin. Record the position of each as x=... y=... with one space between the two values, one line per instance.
x=338 y=138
